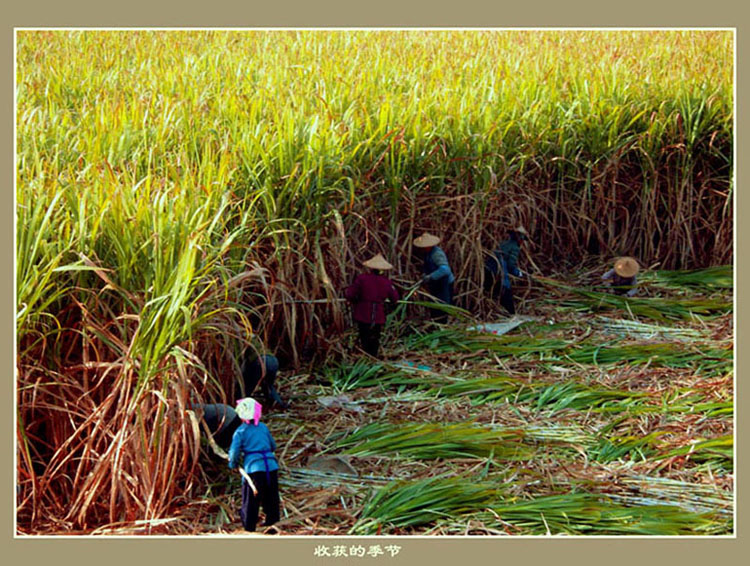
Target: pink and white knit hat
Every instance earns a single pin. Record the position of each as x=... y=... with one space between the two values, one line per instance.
x=248 y=409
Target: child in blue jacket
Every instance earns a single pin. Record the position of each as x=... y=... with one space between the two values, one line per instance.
x=253 y=442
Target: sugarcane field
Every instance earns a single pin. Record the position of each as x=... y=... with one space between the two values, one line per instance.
x=326 y=282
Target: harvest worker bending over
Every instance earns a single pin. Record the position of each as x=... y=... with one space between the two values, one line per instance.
x=261 y=369
x=622 y=276
x=368 y=292
x=501 y=265
x=221 y=421
x=252 y=442
x=437 y=273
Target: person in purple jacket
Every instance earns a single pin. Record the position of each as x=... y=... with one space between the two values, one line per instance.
x=253 y=444
x=368 y=293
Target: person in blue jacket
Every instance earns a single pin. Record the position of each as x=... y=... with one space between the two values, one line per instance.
x=253 y=444
x=437 y=273
x=501 y=265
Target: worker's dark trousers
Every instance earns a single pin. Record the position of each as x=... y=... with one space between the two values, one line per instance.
x=268 y=496
x=443 y=292
x=369 y=337
x=493 y=284
x=621 y=291
x=506 y=299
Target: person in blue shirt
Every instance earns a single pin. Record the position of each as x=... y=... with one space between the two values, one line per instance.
x=501 y=265
x=253 y=447
x=437 y=273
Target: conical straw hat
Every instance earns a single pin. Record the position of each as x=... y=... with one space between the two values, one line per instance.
x=626 y=266
x=426 y=240
x=377 y=262
x=521 y=230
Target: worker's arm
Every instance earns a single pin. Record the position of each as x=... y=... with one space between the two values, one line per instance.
x=273 y=442
x=512 y=264
x=633 y=291
x=235 y=450
x=393 y=293
x=443 y=269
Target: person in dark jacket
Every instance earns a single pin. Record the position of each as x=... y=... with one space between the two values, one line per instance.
x=437 y=273
x=622 y=276
x=221 y=421
x=261 y=369
x=501 y=265
x=253 y=446
x=368 y=293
